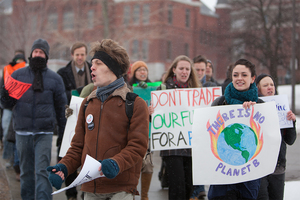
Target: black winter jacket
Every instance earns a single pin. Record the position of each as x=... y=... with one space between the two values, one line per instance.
x=38 y=111
x=173 y=152
x=288 y=136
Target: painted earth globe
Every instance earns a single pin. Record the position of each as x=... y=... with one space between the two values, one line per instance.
x=237 y=144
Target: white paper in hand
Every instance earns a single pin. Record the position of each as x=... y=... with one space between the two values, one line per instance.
x=88 y=172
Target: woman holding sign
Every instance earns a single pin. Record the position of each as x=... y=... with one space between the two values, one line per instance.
x=139 y=71
x=181 y=74
x=242 y=90
x=272 y=186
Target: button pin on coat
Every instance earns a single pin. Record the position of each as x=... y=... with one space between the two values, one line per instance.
x=89 y=121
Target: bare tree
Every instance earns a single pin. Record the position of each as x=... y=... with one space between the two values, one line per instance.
x=261 y=29
x=21 y=28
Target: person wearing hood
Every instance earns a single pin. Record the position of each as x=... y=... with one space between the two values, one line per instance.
x=34 y=116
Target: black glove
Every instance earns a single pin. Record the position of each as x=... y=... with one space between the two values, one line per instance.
x=143 y=84
x=6 y=100
x=4 y=93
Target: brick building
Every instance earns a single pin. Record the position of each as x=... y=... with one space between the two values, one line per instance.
x=155 y=31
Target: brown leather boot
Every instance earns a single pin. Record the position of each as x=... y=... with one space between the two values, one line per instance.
x=145 y=185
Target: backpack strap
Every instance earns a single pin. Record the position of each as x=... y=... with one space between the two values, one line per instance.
x=85 y=105
x=129 y=103
x=130 y=98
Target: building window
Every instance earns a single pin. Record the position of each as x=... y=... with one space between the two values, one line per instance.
x=169 y=50
x=146 y=13
x=145 y=49
x=186 y=49
x=205 y=37
x=135 y=49
x=187 y=18
x=52 y=21
x=34 y=23
x=68 y=19
x=126 y=45
x=90 y=19
x=170 y=14
x=126 y=16
x=136 y=14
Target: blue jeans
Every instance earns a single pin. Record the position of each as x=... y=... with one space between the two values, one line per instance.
x=8 y=151
x=16 y=157
x=34 y=153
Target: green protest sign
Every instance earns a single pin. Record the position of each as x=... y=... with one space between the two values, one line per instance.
x=145 y=93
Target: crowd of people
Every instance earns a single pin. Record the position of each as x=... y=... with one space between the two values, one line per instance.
x=29 y=122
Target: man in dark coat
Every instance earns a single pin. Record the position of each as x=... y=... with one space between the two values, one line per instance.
x=77 y=73
x=35 y=114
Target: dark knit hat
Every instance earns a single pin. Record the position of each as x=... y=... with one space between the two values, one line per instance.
x=261 y=76
x=212 y=66
x=19 y=56
x=41 y=44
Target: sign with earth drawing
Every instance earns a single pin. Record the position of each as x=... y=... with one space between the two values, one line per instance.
x=172 y=120
x=232 y=144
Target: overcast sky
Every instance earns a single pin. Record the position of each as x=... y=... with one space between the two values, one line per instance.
x=210 y=3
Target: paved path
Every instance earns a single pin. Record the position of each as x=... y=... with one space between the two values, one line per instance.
x=10 y=187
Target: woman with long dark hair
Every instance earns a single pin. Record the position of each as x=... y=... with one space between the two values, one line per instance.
x=242 y=90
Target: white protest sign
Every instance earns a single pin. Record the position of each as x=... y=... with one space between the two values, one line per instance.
x=172 y=120
x=70 y=125
x=88 y=173
x=282 y=105
x=232 y=145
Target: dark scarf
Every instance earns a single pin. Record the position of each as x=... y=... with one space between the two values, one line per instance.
x=38 y=64
x=178 y=84
x=233 y=96
x=104 y=92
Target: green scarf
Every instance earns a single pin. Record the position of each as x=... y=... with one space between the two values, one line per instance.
x=233 y=96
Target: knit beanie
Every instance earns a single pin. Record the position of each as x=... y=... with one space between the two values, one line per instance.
x=212 y=66
x=19 y=56
x=261 y=76
x=41 y=44
x=137 y=65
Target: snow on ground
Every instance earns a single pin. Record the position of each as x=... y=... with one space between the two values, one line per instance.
x=291 y=190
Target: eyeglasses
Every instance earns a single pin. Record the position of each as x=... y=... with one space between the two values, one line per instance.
x=142 y=70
